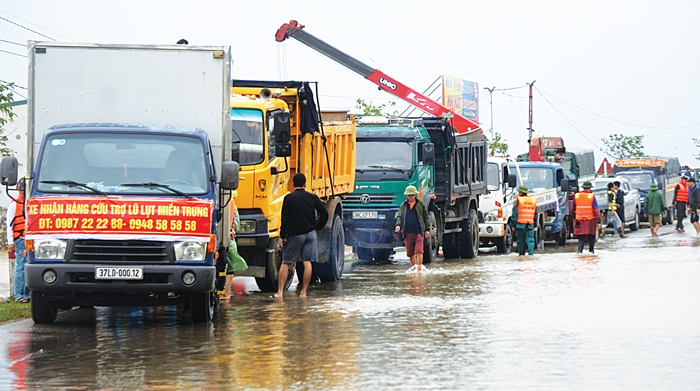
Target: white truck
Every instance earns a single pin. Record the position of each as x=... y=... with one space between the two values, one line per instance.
x=496 y=207
x=130 y=172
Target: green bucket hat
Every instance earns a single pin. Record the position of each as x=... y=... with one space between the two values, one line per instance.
x=587 y=185
x=410 y=190
x=653 y=186
x=523 y=189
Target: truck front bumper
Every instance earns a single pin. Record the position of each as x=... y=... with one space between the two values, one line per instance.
x=156 y=278
x=492 y=230
x=371 y=233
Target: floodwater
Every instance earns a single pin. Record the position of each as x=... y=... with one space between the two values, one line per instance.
x=627 y=317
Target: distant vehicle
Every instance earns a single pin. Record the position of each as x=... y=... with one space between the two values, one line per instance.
x=633 y=204
x=642 y=172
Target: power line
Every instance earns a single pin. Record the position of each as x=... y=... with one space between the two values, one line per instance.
x=13 y=43
x=16 y=54
x=26 y=28
x=34 y=24
x=16 y=85
x=568 y=121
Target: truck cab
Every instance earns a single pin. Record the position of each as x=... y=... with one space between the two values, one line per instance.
x=390 y=156
x=496 y=207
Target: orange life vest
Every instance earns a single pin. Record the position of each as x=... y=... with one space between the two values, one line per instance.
x=682 y=194
x=18 y=221
x=584 y=206
x=526 y=210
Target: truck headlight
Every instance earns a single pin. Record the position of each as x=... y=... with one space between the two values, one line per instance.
x=248 y=226
x=49 y=249
x=491 y=216
x=190 y=251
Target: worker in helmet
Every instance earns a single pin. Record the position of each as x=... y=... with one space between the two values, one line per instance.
x=522 y=221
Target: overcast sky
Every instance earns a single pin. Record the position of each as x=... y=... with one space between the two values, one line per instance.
x=600 y=66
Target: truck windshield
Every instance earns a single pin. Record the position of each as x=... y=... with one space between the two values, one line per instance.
x=638 y=180
x=247 y=138
x=492 y=177
x=537 y=178
x=119 y=163
x=384 y=155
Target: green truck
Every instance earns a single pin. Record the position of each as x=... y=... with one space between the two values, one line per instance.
x=449 y=173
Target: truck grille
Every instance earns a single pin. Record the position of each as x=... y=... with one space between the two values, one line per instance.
x=118 y=251
x=364 y=198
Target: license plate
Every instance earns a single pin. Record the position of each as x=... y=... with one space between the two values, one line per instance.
x=364 y=215
x=119 y=273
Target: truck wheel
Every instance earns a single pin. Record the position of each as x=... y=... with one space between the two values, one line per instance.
x=202 y=307
x=364 y=254
x=381 y=254
x=272 y=267
x=430 y=245
x=43 y=310
x=505 y=243
x=333 y=269
x=539 y=235
x=469 y=237
x=635 y=226
x=564 y=233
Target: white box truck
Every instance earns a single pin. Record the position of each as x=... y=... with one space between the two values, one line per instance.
x=129 y=172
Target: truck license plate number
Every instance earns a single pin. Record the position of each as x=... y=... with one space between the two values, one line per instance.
x=364 y=215
x=119 y=273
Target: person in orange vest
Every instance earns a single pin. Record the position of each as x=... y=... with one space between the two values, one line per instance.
x=15 y=221
x=523 y=221
x=586 y=217
x=680 y=201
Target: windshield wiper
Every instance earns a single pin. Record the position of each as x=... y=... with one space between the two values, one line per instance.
x=387 y=167
x=158 y=186
x=71 y=183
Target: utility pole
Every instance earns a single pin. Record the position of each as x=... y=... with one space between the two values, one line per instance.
x=530 y=129
x=490 y=90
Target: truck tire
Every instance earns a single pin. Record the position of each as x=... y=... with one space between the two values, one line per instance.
x=564 y=233
x=272 y=267
x=202 y=306
x=43 y=310
x=364 y=254
x=539 y=235
x=504 y=244
x=381 y=254
x=332 y=270
x=469 y=237
x=635 y=226
x=430 y=245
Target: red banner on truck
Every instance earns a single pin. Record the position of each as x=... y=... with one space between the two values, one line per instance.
x=118 y=218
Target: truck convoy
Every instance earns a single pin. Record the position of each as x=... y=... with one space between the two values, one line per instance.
x=129 y=172
x=279 y=131
x=393 y=153
x=452 y=159
x=642 y=172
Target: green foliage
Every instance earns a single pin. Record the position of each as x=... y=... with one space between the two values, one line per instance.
x=498 y=145
x=6 y=115
x=620 y=146
x=12 y=311
x=367 y=108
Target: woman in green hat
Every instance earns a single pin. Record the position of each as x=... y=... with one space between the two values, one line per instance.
x=412 y=222
x=653 y=207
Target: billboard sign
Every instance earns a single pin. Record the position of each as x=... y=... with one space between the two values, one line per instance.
x=461 y=96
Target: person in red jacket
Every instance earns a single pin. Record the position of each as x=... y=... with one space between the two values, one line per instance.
x=680 y=201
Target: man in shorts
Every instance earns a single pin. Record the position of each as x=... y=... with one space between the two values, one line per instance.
x=412 y=222
x=303 y=214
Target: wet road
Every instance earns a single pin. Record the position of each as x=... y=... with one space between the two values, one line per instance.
x=627 y=317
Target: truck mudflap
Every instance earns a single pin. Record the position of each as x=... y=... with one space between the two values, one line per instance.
x=156 y=278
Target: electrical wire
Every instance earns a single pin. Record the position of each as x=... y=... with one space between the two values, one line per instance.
x=16 y=85
x=20 y=55
x=569 y=122
x=36 y=25
x=13 y=43
x=26 y=28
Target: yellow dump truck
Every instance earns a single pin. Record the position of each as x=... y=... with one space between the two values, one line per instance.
x=278 y=131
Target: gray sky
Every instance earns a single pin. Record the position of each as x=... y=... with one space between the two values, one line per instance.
x=604 y=66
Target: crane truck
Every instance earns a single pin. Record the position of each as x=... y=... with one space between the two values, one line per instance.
x=126 y=194
x=444 y=156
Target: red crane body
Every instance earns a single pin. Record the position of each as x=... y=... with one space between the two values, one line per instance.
x=385 y=82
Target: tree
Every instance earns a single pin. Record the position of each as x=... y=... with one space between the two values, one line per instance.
x=368 y=108
x=6 y=115
x=620 y=146
x=498 y=145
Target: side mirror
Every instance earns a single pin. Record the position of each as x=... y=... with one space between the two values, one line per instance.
x=8 y=171
x=282 y=132
x=229 y=175
x=428 y=153
x=564 y=184
x=283 y=150
x=512 y=180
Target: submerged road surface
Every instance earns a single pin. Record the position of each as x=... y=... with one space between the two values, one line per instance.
x=627 y=317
